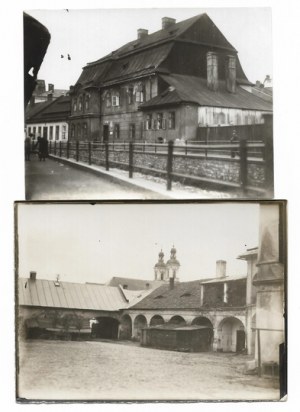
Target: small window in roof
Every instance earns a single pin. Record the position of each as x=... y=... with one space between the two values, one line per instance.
x=125 y=286
x=158 y=297
x=125 y=65
x=186 y=294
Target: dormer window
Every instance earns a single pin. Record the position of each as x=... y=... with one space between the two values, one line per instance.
x=80 y=103
x=108 y=99
x=125 y=65
x=186 y=294
x=87 y=102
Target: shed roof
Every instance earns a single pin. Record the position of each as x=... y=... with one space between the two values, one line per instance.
x=133 y=283
x=69 y=295
x=191 y=89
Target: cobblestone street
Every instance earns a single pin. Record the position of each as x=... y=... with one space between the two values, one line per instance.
x=99 y=370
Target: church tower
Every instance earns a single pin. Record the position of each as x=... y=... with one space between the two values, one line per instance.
x=160 y=269
x=173 y=266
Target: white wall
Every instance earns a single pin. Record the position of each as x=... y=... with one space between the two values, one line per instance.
x=39 y=132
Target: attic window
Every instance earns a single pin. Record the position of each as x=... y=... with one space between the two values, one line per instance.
x=125 y=65
x=158 y=297
x=125 y=286
x=186 y=294
x=56 y=284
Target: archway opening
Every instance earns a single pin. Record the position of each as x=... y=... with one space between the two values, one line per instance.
x=125 y=328
x=231 y=335
x=140 y=322
x=105 y=328
x=203 y=321
x=157 y=320
x=177 y=320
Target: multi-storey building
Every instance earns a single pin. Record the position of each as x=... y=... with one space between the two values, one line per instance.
x=163 y=86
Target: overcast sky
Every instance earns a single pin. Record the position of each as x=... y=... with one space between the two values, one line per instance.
x=87 y=35
x=92 y=243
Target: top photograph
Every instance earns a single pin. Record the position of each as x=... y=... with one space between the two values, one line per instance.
x=148 y=104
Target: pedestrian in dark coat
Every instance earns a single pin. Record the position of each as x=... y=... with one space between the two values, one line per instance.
x=42 y=148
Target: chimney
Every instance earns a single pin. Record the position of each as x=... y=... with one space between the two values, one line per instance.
x=166 y=22
x=32 y=276
x=171 y=284
x=50 y=97
x=50 y=87
x=221 y=269
x=141 y=33
x=231 y=74
x=212 y=71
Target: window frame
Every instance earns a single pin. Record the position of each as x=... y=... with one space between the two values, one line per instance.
x=171 y=120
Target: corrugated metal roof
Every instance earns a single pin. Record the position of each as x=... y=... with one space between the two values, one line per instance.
x=194 y=90
x=69 y=295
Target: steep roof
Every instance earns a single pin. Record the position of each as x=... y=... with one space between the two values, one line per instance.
x=134 y=284
x=145 y=55
x=68 y=295
x=58 y=108
x=193 y=89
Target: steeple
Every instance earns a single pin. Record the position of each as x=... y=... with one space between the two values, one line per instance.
x=173 y=265
x=160 y=269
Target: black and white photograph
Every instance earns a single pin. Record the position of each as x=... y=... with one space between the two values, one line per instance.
x=151 y=302
x=148 y=103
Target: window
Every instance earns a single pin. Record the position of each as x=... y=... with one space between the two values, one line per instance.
x=39 y=131
x=73 y=131
x=132 y=131
x=80 y=103
x=140 y=93
x=33 y=131
x=84 y=131
x=87 y=102
x=29 y=130
x=130 y=95
x=78 y=131
x=116 y=131
x=64 y=132
x=171 y=120
x=108 y=99
x=148 y=122
x=51 y=133
x=56 y=132
x=74 y=105
x=159 y=121
x=116 y=99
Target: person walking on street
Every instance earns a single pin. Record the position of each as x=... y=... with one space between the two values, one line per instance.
x=42 y=144
x=27 y=148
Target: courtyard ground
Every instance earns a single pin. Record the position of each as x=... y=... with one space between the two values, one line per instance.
x=106 y=370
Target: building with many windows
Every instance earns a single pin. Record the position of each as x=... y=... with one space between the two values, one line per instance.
x=165 y=85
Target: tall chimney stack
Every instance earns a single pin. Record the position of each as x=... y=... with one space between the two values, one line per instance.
x=50 y=87
x=212 y=71
x=231 y=74
x=141 y=33
x=32 y=276
x=221 y=269
x=166 y=22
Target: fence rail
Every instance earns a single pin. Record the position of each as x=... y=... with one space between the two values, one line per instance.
x=167 y=160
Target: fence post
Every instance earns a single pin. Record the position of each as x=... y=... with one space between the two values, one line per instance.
x=68 y=149
x=55 y=148
x=90 y=153
x=144 y=146
x=170 y=164
x=106 y=157
x=77 y=150
x=269 y=160
x=60 y=149
x=243 y=165
x=130 y=154
x=50 y=147
x=186 y=150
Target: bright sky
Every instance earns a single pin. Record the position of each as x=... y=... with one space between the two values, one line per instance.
x=88 y=35
x=92 y=243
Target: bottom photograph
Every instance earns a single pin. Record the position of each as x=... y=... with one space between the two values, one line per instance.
x=151 y=301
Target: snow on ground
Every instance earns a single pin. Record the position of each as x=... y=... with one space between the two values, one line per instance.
x=107 y=370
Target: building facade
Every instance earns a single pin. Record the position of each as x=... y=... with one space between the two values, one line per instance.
x=163 y=86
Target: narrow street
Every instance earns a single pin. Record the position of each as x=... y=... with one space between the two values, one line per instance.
x=107 y=370
x=54 y=180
